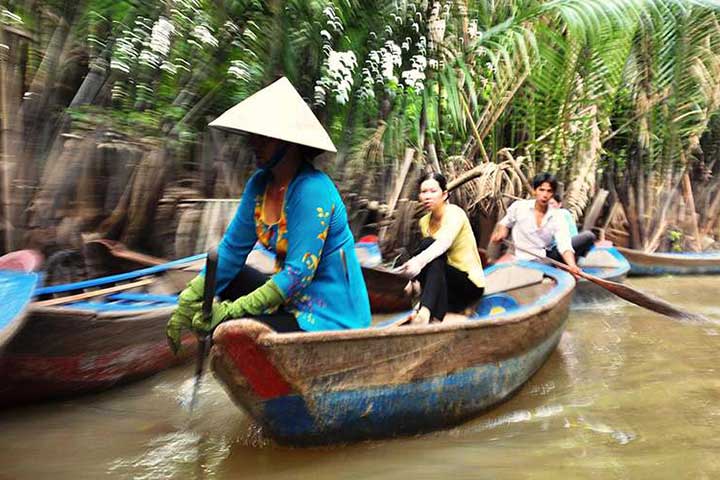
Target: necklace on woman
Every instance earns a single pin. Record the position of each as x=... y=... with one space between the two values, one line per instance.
x=278 y=188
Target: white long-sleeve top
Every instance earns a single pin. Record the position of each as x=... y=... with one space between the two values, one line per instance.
x=527 y=235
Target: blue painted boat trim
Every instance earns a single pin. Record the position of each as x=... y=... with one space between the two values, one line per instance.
x=117 y=306
x=144 y=297
x=96 y=282
x=16 y=292
x=408 y=408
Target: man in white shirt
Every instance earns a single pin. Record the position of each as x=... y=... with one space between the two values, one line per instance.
x=535 y=227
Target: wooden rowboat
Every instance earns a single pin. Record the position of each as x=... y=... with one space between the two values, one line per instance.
x=685 y=263
x=92 y=340
x=329 y=387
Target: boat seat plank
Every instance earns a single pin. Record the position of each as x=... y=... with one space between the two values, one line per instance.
x=510 y=278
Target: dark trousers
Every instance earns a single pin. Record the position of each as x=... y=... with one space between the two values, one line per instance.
x=581 y=243
x=444 y=288
x=245 y=282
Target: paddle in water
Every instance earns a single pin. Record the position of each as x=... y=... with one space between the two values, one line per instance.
x=205 y=341
x=624 y=291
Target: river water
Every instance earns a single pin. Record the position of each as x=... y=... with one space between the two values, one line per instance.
x=628 y=394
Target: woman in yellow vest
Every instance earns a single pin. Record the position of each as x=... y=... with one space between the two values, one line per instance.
x=447 y=264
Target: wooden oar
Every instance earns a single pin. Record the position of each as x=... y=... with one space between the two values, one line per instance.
x=205 y=341
x=625 y=292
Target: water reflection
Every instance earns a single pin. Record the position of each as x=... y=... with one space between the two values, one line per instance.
x=627 y=394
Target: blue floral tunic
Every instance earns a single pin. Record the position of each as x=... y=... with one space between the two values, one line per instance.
x=315 y=268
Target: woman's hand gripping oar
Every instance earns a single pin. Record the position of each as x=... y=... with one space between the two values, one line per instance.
x=623 y=291
x=205 y=340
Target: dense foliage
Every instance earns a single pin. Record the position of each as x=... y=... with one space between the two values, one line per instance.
x=613 y=93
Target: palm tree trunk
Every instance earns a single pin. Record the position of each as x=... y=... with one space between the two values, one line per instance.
x=7 y=133
x=690 y=200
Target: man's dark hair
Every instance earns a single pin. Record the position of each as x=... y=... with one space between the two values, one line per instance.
x=438 y=177
x=545 y=177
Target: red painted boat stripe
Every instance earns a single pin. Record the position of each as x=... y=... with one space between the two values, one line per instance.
x=252 y=362
x=108 y=367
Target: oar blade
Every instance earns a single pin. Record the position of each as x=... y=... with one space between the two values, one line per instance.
x=626 y=292
x=646 y=300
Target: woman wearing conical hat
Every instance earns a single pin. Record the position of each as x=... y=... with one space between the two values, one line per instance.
x=293 y=210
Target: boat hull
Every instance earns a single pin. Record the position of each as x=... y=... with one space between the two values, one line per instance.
x=61 y=352
x=336 y=387
x=654 y=264
x=401 y=409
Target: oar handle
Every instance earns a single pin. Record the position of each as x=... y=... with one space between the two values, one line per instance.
x=205 y=341
x=210 y=281
x=553 y=262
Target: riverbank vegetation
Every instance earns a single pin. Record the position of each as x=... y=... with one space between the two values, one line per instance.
x=105 y=105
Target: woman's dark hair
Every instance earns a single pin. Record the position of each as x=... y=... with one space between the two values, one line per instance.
x=309 y=153
x=545 y=177
x=557 y=197
x=438 y=177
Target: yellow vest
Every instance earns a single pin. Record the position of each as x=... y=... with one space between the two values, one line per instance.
x=463 y=253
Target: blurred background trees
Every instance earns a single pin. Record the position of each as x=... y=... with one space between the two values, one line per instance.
x=104 y=108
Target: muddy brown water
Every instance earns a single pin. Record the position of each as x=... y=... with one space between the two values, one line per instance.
x=628 y=394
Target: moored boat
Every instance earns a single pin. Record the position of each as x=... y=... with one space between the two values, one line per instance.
x=92 y=340
x=342 y=386
x=672 y=263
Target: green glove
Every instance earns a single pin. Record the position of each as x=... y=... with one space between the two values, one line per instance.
x=189 y=302
x=220 y=313
x=266 y=296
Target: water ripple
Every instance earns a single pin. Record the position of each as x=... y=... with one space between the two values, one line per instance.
x=174 y=455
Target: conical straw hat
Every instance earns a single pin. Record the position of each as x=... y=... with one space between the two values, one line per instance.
x=277 y=111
